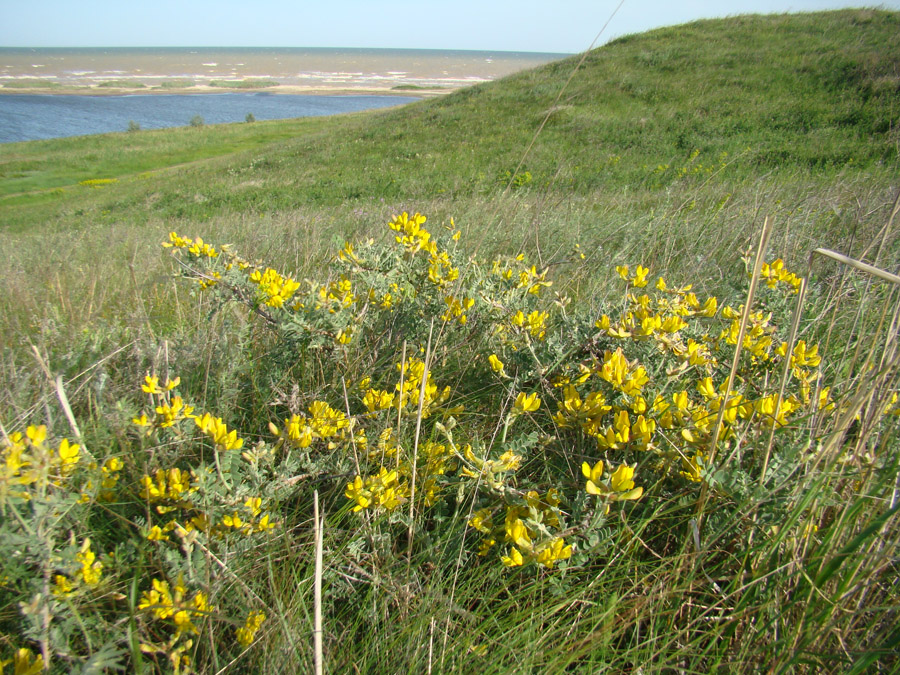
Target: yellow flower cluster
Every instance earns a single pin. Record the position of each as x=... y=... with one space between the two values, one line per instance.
x=411 y=377
x=619 y=487
x=457 y=308
x=172 y=487
x=218 y=433
x=274 y=288
x=382 y=490
x=492 y=472
x=246 y=634
x=196 y=247
x=165 y=602
x=89 y=572
x=324 y=423
x=525 y=528
x=518 y=276
x=675 y=425
x=413 y=237
x=251 y=521
x=336 y=295
x=774 y=272
x=24 y=662
x=29 y=462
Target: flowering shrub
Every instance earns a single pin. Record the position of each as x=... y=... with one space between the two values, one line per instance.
x=451 y=393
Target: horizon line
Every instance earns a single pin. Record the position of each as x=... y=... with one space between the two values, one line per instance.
x=384 y=49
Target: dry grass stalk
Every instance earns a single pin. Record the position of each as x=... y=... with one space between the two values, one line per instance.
x=319 y=525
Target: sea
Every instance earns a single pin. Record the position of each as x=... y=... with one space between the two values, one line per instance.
x=169 y=87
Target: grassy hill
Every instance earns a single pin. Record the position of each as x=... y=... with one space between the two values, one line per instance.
x=808 y=93
x=769 y=546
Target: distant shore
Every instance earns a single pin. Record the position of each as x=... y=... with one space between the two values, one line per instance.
x=312 y=90
x=316 y=72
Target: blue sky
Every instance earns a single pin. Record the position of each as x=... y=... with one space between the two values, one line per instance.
x=510 y=25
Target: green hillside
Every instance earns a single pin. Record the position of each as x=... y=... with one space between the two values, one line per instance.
x=546 y=429
x=812 y=93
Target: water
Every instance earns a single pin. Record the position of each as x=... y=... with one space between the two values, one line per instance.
x=29 y=117
x=289 y=67
x=290 y=72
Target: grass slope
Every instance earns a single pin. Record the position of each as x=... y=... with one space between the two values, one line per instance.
x=814 y=93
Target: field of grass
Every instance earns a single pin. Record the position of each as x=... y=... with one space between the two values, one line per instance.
x=758 y=531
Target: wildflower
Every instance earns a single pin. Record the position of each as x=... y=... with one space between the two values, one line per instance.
x=536 y=324
x=62 y=586
x=151 y=385
x=275 y=289
x=692 y=468
x=526 y=403
x=517 y=533
x=557 y=550
x=593 y=475
x=706 y=388
x=215 y=428
x=640 y=276
x=481 y=520
x=25 y=663
x=514 y=559
x=173 y=411
x=496 y=364
x=156 y=534
x=36 y=435
x=413 y=236
x=247 y=633
x=68 y=456
x=90 y=568
x=343 y=337
x=620 y=487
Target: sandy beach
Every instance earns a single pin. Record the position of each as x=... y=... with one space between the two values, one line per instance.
x=307 y=90
x=112 y=71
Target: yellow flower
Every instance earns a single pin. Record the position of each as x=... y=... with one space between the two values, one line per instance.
x=151 y=385
x=526 y=403
x=496 y=364
x=218 y=432
x=481 y=520
x=514 y=559
x=640 y=276
x=357 y=492
x=706 y=388
x=156 y=534
x=622 y=478
x=90 y=570
x=36 y=435
x=593 y=475
x=61 y=585
x=692 y=468
x=247 y=633
x=517 y=533
x=557 y=550
x=68 y=456
x=26 y=663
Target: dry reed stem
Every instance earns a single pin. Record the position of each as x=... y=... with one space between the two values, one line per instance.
x=785 y=372
x=318 y=526
x=399 y=408
x=61 y=395
x=745 y=318
x=415 y=459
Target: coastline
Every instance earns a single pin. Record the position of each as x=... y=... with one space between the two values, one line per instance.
x=280 y=89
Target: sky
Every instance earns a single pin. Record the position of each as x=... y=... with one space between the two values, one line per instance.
x=558 y=26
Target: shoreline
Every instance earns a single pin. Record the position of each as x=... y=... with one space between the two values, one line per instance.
x=281 y=89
